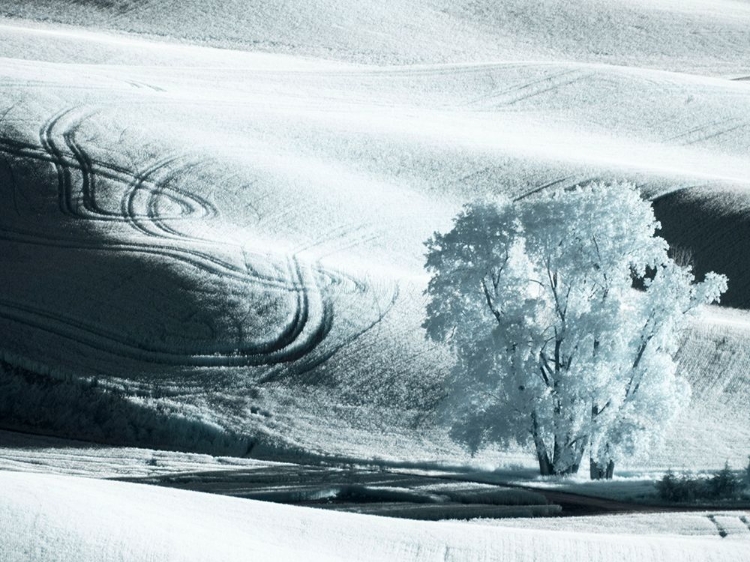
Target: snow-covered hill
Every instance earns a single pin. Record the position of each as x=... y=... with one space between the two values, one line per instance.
x=702 y=36
x=221 y=250
x=46 y=518
x=212 y=216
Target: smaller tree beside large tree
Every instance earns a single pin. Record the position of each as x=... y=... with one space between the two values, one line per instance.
x=564 y=314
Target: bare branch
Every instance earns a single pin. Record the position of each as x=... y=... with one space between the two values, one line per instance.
x=544 y=376
x=497 y=313
x=549 y=375
x=596 y=411
x=554 y=281
x=600 y=267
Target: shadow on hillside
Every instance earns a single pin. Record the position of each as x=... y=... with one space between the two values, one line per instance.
x=715 y=226
x=366 y=490
x=86 y=410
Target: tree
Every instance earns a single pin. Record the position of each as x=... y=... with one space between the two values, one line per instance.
x=564 y=314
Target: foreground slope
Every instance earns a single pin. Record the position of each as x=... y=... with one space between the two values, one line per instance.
x=44 y=518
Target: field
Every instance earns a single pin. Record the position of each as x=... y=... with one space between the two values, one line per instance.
x=212 y=226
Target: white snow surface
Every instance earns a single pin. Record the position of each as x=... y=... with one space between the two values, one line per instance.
x=184 y=209
x=45 y=518
x=700 y=36
x=35 y=453
x=212 y=216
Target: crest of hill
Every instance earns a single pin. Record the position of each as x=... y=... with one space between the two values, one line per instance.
x=697 y=36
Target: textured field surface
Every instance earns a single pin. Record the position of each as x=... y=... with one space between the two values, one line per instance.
x=700 y=36
x=212 y=218
x=44 y=517
x=220 y=250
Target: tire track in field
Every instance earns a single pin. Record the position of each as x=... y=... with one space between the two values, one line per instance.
x=287 y=346
x=206 y=261
x=708 y=131
x=299 y=336
x=90 y=169
x=142 y=182
x=536 y=87
x=65 y=165
x=163 y=190
x=309 y=363
x=543 y=187
x=267 y=353
x=86 y=168
x=63 y=171
x=128 y=212
x=190 y=202
x=719 y=527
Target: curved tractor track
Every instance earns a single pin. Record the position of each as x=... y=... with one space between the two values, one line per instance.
x=144 y=194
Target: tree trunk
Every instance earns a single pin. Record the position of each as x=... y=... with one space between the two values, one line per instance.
x=545 y=465
x=601 y=471
x=571 y=450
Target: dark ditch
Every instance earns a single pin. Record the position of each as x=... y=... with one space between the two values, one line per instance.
x=366 y=491
x=400 y=494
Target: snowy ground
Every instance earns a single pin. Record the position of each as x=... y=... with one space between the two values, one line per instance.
x=226 y=247
x=33 y=453
x=45 y=517
x=212 y=219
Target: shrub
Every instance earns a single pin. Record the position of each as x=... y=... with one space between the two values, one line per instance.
x=683 y=488
x=723 y=485
x=667 y=487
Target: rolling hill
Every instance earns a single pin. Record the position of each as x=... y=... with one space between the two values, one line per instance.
x=213 y=213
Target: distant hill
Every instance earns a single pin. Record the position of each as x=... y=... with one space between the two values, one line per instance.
x=690 y=35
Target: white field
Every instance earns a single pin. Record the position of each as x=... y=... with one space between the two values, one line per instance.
x=62 y=518
x=35 y=453
x=212 y=227
x=236 y=238
x=696 y=36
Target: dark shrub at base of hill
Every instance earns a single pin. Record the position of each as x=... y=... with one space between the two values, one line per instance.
x=723 y=485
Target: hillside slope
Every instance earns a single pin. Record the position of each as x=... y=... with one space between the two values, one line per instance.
x=221 y=251
x=47 y=518
x=702 y=36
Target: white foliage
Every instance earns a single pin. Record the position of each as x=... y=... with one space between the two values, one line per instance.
x=564 y=313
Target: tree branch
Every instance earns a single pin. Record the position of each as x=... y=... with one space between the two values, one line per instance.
x=544 y=376
x=549 y=376
x=632 y=387
x=553 y=281
x=600 y=266
x=497 y=313
x=596 y=411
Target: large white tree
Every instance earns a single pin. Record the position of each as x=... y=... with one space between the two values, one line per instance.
x=564 y=314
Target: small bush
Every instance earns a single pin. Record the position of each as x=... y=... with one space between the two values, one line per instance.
x=723 y=485
x=667 y=486
x=683 y=488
